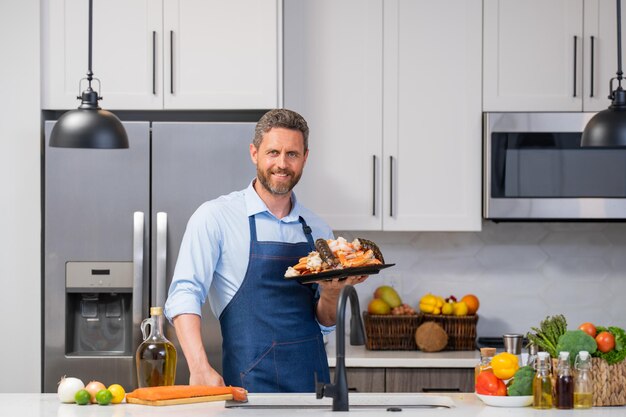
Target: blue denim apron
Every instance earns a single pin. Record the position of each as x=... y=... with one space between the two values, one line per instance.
x=271 y=339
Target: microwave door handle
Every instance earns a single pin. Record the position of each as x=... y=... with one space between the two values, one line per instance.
x=161 y=258
x=138 y=260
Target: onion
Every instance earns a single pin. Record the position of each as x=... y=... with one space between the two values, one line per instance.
x=68 y=387
x=93 y=387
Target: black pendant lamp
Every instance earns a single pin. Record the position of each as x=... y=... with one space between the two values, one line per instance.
x=608 y=128
x=89 y=126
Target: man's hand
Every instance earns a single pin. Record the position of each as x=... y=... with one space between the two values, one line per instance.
x=329 y=294
x=208 y=376
x=190 y=337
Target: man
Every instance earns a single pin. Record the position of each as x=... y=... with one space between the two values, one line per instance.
x=236 y=250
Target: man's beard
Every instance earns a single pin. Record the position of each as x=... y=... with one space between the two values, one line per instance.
x=277 y=189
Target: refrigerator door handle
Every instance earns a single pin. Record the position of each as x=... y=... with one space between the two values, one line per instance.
x=138 y=259
x=161 y=258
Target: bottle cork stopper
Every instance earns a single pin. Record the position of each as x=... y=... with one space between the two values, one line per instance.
x=487 y=351
x=156 y=311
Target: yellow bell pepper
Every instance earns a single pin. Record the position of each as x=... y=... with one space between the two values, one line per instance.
x=504 y=365
x=428 y=303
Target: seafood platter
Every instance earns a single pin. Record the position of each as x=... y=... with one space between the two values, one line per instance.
x=338 y=258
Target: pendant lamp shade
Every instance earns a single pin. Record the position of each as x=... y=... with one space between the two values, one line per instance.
x=607 y=129
x=89 y=126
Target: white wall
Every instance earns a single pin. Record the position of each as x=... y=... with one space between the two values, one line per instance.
x=521 y=272
x=20 y=218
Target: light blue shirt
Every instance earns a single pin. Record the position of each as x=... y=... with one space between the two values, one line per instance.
x=214 y=252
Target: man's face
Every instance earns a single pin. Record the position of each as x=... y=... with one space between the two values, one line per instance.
x=279 y=160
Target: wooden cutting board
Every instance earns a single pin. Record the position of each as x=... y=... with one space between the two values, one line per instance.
x=176 y=401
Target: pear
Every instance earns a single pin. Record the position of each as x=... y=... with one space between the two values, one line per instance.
x=388 y=295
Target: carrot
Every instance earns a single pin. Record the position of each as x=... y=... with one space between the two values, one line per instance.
x=186 y=391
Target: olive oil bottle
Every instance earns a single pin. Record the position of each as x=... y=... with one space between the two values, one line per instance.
x=542 y=384
x=583 y=387
x=156 y=356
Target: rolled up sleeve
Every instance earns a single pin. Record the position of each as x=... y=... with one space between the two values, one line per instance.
x=193 y=274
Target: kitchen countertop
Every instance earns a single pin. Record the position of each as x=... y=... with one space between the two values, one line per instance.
x=360 y=357
x=465 y=405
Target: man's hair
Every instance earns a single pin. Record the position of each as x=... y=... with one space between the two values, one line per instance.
x=284 y=118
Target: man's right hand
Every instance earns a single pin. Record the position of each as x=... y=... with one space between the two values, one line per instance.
x=209 y=377
x=189 y=335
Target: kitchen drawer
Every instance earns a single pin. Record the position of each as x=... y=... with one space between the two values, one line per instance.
x=409 y=379
x=429 y=380
x=364 y=379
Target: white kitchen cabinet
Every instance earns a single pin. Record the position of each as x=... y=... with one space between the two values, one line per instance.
x=538 y=54
x=165 y=54
x=391 y=91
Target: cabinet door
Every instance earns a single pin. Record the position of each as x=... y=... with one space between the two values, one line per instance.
x=333 y=77
x=430 y=380
x=221 y=54
x=432 y=115
x=530 y=63
x=601 y=60
x=125 y=54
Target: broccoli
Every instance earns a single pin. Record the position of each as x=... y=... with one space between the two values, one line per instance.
x=573 y=341
x=522 y=382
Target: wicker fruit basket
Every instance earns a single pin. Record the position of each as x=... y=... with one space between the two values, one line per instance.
x=609 y=383
x=461 y=330
x=398 y=332
x=391 y=332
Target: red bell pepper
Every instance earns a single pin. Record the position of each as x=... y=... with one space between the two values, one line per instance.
x=489 y=384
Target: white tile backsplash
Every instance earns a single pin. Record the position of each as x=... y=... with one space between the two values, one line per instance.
x=521 y=272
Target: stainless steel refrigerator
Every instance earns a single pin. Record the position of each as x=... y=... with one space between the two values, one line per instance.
x=113 y=223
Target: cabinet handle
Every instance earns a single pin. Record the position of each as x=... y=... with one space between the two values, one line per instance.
x=390 y=186
x=592 y=66
x=441 y=389
x=154 y=62
x=171 y=62
x=373 y=185
x=575 y=59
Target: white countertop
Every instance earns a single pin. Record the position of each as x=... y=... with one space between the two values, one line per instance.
x=465 y=405
x=360 y=357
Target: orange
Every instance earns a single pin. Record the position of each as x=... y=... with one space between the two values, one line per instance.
x=472 y=303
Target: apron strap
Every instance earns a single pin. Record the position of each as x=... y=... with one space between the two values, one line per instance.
x=308 y=233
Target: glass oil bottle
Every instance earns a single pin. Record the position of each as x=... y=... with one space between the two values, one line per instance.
x=564 y=383
x=156 y=356
x=542 y=384
x=486 y=354
x=583 y=386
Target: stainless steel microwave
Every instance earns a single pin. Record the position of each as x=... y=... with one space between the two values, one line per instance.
x=535 y=168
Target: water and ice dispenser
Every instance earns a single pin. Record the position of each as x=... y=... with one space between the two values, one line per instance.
x=99 y=308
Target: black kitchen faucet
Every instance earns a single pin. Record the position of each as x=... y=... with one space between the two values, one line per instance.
x=339 y=390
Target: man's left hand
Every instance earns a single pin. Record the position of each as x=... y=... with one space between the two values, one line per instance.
x=329 y=294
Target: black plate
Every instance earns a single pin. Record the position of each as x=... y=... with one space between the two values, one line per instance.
x=340 y=273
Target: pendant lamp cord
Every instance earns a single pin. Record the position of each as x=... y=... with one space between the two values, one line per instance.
x=89 y=72
x=619 y=43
